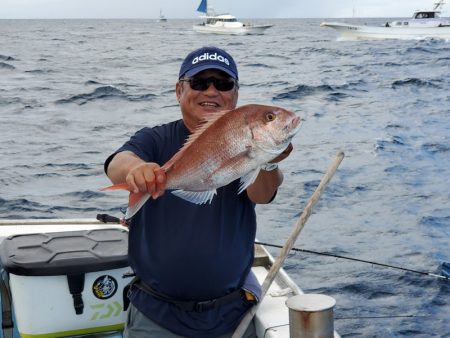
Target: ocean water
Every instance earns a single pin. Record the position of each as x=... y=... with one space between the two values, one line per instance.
x=72 y=91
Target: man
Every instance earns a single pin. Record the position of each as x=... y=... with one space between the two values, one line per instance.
x=192 y=262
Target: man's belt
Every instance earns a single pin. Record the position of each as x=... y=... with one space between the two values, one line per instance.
x=188 y=305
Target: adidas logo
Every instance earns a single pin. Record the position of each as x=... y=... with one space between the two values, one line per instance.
x=212 y=57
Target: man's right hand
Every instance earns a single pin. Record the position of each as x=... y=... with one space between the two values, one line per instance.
x=147 y=177
x=139 y=175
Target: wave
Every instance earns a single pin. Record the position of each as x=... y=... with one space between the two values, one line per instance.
x=301 y=91
x=71 y=166
x=393 y=126
x=392 y=64
x=389 y=144
x=92 y=82
x=335 y=92
x=337 y=96
x=60 y=206
x=421 y=50
x=435 y=148
x=84 y=195
x=19 y=204
x=275 y=56
x=436 y=222
x=4 y=65
x=416 y=82
x=445 y=59
x=6 y=58
x=40 y=71
x=105 y=93
x=397 y=169
x=259 y=65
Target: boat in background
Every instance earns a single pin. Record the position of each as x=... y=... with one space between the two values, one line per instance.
x=423 y=24
x=225 y=23
x=97 y=251
x=161 y=17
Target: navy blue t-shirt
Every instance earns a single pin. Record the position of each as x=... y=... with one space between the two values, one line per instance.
x=189 y=251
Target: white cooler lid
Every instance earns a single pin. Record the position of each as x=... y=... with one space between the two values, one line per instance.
x=65 y=253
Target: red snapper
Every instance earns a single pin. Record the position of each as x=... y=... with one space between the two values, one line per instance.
x=227 y=146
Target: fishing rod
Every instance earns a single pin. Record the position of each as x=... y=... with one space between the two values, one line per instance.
x=357 y=260
x=111 y=219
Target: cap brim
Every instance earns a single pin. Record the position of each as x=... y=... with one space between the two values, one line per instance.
x=196 y=70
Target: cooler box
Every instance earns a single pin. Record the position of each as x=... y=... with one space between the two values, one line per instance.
x=67 y=283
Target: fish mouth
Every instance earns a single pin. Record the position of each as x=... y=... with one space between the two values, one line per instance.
x=294 y=126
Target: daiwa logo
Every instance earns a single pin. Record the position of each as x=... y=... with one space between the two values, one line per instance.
x=212 y=57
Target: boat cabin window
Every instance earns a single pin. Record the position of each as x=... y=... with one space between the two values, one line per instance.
x=214 y=20
x=425 y=15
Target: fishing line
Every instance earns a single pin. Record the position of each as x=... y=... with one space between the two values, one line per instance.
x=381 y=317
x=105 y=218
x=358 y=260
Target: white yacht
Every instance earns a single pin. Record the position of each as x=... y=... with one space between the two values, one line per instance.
x=224 y=23
x=423 y=24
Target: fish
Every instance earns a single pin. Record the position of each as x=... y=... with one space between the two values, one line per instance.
x=228 y=145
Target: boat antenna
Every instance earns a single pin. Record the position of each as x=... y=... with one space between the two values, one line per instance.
x=438 y=4
x=359 y=260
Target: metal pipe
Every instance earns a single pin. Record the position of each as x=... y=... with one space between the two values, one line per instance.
x=311 y=316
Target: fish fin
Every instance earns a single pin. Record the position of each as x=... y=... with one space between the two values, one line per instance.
x=196 y=197
x=248 y=179
x=209 y=120
x=135 y=203
x=135 y=200
x=120 y=186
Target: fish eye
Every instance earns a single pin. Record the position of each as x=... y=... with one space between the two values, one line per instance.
x=270 y=116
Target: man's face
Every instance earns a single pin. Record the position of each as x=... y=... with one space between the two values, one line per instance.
x=197 y=104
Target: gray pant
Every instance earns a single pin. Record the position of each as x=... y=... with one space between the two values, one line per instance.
x=139 y=326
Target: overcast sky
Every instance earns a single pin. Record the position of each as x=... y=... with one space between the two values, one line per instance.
x=23 y=9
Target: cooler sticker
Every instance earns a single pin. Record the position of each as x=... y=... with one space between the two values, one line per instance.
x=104 y=287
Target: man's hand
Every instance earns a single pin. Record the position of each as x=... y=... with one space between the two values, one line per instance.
x=139 y=175
x=286 y=152
x=147 y=177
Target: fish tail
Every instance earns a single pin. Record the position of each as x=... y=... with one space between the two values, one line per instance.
x=120 y=186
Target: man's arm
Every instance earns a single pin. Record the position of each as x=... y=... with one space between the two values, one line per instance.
x=120 y=166
x=138 y=174
x=265 y=186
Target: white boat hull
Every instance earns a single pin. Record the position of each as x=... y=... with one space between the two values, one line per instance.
x=272 y=317
x=231 y=30
x=357 y=32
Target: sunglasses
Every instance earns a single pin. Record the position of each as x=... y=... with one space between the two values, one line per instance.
x=202 y=84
